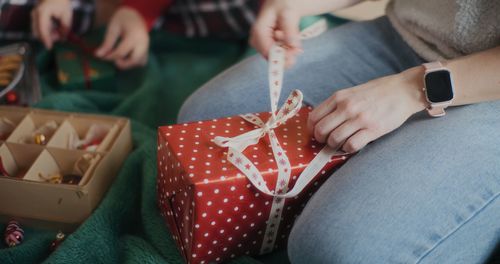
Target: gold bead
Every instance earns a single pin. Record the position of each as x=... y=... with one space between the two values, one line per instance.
x=40 y=139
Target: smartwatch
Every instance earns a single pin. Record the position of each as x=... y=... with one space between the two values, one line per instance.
x=438 y=88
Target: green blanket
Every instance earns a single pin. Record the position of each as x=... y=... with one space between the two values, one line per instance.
x=126 y=227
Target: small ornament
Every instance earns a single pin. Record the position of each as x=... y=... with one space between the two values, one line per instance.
x=92 y=146
x=71 y=178
x=54 y=178
x=14 y=234
x=12 y=98
x=40 y=139
x=3 y=172
x=59 y=239
x=57 y=178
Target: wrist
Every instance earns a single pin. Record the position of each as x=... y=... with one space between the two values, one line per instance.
x=414 y=83
x=142 y=12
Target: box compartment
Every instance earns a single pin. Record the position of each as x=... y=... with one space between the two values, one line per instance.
x=36 y=123
x=56 y=206
x=18 y=158
x=73 y=132
x=9 y=120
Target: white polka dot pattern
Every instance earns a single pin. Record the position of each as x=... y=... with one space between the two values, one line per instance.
x=222 y=205
x=213 y=212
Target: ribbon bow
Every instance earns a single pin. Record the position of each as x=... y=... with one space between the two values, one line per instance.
x=241 y=142
x=236 y=145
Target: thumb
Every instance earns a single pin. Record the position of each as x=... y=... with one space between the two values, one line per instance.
x=262 y=37
x=112 y=34
x=66 y=19
x=289 y=23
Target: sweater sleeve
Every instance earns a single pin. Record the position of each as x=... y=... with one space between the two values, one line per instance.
x=150 y=9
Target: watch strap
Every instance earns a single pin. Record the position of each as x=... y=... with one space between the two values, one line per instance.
x=436 y=111
x=433 y=66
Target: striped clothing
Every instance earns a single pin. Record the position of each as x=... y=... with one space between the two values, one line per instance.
x=191 y=18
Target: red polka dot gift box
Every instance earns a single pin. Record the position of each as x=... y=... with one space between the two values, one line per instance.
x=214 y=210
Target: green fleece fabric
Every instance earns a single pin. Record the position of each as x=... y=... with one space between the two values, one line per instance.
x=126 y=227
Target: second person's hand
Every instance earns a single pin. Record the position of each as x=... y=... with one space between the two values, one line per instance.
x=278 y=21
x=42 y=18
x=127 y=40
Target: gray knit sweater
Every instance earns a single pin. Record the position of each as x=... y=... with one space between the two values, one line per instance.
x=446 y=29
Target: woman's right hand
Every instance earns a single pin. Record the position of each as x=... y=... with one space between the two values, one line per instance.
x=278 y=21
x=42 y=18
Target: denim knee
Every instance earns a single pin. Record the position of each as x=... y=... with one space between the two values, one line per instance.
x=311 y=243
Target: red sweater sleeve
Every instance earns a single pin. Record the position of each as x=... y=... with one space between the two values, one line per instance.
x=149 y=9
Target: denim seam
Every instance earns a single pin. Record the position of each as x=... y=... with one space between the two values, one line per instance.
x=494 y=197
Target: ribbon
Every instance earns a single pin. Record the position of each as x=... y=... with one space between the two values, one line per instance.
x=237 y=145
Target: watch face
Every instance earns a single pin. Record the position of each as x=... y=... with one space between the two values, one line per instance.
x=438 y=86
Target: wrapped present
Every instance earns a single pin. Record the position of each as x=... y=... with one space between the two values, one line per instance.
x=234 y=186
x=78 y=68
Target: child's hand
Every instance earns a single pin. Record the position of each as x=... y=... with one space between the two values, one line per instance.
x=127 y=40
x=42 y=20
x=278 y=21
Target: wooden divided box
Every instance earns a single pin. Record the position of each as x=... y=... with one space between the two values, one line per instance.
x=55 y=167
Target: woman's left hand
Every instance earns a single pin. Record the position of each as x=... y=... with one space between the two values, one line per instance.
x=353 y=117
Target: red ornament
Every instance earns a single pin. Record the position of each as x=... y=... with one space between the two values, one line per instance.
x=12 y=97
x=59 y=239
x=93 y=143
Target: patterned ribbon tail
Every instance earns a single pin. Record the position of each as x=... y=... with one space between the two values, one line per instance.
x=236 y=145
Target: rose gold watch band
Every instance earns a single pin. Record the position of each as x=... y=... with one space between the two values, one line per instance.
x=435 y=110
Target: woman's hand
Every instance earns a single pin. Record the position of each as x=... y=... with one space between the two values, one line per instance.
x=128 y=28
x=353 y=117
x=42 y=20
x=278 y=21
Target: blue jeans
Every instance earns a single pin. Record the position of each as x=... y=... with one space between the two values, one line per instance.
x=425 y=193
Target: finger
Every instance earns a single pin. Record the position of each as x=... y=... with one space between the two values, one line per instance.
x=326 y=125
x=124 y=49
x=340 y=134
x=291 y=56
x=112 y=34
x=289 y=23
x=291 y=52
x=358 y=141
x=279 y=35
x=262 y=33
x=44 y=28
x=66 y=19
x=320 y=112
x=138 y=57
x=55 y=36
x=290 y=60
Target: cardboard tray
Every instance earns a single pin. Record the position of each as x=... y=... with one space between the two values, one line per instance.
x=34 y=201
